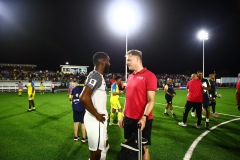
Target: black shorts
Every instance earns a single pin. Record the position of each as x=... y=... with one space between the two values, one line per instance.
x=130 y=127
x=168 y=99
x=78 y=116
x=205 y=100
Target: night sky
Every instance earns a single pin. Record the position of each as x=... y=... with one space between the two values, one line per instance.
x=49 y=33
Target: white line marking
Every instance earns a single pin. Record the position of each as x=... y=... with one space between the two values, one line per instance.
x=183 y=107
x=216 y=112
x=188 y=155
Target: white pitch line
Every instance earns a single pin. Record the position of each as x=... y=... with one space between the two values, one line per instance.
x=188 y=155
x=216 y=112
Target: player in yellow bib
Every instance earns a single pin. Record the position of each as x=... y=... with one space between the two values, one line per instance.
x=31 y=94
x=114 y=100
x=41 y=88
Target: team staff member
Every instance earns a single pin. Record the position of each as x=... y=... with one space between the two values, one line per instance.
x=169 y=94
x=94 y=98
x=194 y=99
x=31 y=94
x=140 y=93
x=238 y=92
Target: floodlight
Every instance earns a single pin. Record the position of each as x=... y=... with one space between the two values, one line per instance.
x=203 y=35
x=124 y=15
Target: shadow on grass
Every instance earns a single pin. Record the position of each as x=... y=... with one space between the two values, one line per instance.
x=12 y=115
x=72 y=150
x=49 y=118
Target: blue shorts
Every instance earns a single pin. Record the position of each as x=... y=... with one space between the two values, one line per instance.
x=168 y=99
x=78 y=116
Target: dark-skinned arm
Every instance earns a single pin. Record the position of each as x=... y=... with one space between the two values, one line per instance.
x=86 y=100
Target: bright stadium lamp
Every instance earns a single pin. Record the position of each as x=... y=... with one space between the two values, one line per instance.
x=124 y=16
x=203 y=35
x=67 y=63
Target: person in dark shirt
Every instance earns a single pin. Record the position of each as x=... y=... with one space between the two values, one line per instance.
x=169 y=94
x=213 y=94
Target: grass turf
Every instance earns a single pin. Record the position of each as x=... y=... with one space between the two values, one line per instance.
x=48 y=132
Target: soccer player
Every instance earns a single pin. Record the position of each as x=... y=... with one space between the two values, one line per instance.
x=194 y=99
x=41 y=88
x=140 y=94
x=114 y=99
x=31 y=95
x=94 y=98
x=78 y=114
x=238 y=92
x=53 y=87
x=169 y=94
x=20 y=88
x=72 y=85
x=212 y=93
x=205 y=104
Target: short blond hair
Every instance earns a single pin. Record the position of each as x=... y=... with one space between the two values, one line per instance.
x=135 y=52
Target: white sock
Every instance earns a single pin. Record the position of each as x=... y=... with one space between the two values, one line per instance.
x=172 y=111
x=165 y=111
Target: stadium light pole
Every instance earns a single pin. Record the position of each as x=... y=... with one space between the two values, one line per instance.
x=124 y=16
x=203 y=35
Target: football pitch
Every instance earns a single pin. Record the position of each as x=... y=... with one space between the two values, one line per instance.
x=47 y=134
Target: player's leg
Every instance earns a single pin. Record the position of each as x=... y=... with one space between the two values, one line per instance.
x=213 y=104
x=75 y=130
x=120 y=114
x=29 y=102
x=83 y=129
x=119 y=108
x=113 y=111
x=20 y=92
x=29 y=106
x=33 y=103
x=206 y=107
x=97 y=136
x=167 y=105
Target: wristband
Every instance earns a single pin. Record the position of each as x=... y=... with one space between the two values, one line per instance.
x=146 y=116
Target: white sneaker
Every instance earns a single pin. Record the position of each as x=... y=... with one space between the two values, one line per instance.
x=197 y=126
x=193 y=114
x=182 y=124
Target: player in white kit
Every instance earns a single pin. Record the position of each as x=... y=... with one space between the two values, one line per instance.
x=94 y=98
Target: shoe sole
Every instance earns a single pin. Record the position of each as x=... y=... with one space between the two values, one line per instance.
x=129 y=147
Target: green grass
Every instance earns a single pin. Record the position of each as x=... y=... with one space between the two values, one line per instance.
x=48 y=132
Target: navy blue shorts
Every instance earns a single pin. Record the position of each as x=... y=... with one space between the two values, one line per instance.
x=168 y=99
x=130 y=127
x=78 y=116
x=205 y=100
